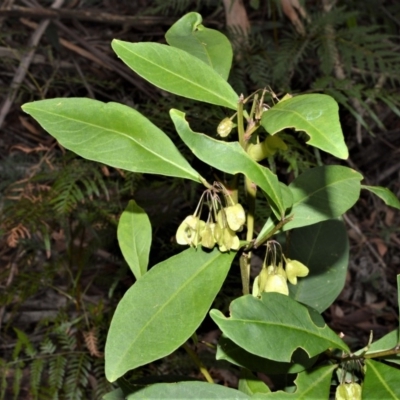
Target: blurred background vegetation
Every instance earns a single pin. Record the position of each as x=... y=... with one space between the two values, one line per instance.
x=61 y=271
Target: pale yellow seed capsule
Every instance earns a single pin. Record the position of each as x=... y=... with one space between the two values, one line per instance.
x=256 y=288
x=189 y=231
x=295 y=269
x=262 y=279
x=348 y=391
x=225 y=127
x=207 y=237
x=281 y=271
x=277 y=283
x=235 y=216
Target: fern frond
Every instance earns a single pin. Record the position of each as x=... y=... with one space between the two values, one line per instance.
x=3 y=378
x=91 y=343
x=17 y=378
x=77 y=376
x=57 y=370
x=36 y=369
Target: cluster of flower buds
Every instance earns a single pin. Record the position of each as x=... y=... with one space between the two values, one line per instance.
x=274 y=277
x=220 y=227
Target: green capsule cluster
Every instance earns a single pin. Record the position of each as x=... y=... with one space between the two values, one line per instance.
x=273 y=278
x=219 y=229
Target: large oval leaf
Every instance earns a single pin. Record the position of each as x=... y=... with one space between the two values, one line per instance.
x=230 y=351
x=310 y=384
x=251 y=384
x=134 y=238
x=381 y=381
x=231 y=158
x=163 y=309
x=176 y=71
x=323 y=193
x=315 y=114
x=324 y=248
x=111 y=133
x=385 y=194
x=187 y=391
x=274 y=327
x=209 y=45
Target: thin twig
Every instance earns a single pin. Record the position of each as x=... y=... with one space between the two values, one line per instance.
x=198 y=362
x=22 y=69
x=365 y=240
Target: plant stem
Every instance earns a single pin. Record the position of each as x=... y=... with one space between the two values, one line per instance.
x=250 y=189
x=198 y=362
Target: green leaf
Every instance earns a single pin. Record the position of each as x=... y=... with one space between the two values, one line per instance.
x=250 y=384
x=387 y=342
x=176 y=71
x=116 y=394
x=112 y=134
x=323 y=193
x=209 y=45
x=324 y=249
x=229 y=351
x=315 y=114
x=284 y=325
x=163 y=309
x=381 y=381
x=187 y=391
x=385 y=194
x=311 y=384
x=134 y=238
x=231 y=158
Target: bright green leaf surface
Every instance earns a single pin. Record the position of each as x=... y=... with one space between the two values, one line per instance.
x=387 y=342
x=315 y=114
x=209 y=45
x=134 y=238
x=323 y=193
x=186 y=391
x=229 y=351
x=324 y=249
x=112 y=134
x=277 y=325
x=163 y=309
x=312 y=384
x=176 y=71
x=381 y=381
x=250 y=384
x=231 y=158
x=385 y=194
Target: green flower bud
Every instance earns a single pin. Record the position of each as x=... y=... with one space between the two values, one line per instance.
x=348 y=391
x=276 y=283
x=256 y=151
x=294 y=269
x=225 y=127
x=235 y=216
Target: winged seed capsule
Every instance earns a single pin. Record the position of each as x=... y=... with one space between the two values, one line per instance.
x=348 y=391
x=295 y=269
x=189 y=231
x=225 y=127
